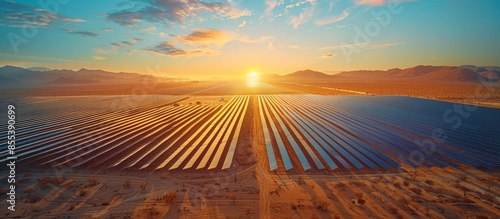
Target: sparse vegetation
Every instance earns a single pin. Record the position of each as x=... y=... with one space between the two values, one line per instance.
x=143 y=186
x=91 y=182
x=323 y=205
x=232 y=196
x=170 y=197
x=126 y=184
x=248 y=210
x=82 y=192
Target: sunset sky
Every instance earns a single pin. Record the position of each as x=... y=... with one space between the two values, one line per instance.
x=202 y=39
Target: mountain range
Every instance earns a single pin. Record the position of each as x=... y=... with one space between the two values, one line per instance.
x=421 y=73
x=16 y=77
x=11 y=76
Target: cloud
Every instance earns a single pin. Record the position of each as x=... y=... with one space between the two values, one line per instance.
x=81 y=32
x=13 y=14
x=365 y=45
x=165 y=35
x=118 y=46
x=124 y=18
x=296 y=47
x=124 y=44
x=270 y=46
x=108 y=30
x=206 y=36
x=333 y=19
x=148 y=29
x=169 y=49
x=243 y=23
x=376 y=2
x=270 y=5
x=385 y=45
x=204 y=42
x=305 y=15
x=370 y=2
x=99 y=58
x=329 y=55
x=343 y=46
x=175 y=11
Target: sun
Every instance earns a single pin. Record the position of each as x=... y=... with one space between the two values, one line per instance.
x=253 y=79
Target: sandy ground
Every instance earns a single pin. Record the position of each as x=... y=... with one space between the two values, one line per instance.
x=471 y=93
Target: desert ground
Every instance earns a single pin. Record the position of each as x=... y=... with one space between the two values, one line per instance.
x=95 y=188
x=484 y=94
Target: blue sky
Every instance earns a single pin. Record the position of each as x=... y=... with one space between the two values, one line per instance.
x=230 y=38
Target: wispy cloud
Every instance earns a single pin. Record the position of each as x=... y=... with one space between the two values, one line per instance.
x=270 y=5
x=333 y=19
x=148 y=29
x=98 y=58
x=175 y=11
x=370 y=2
x=328 y=55
x=305 y=15
x=297 y=47
x=204 y=42
x=124 y=44
x=243 y=23
x=377 y=2
x=365 y=45
x=14 y=14
x=169 y=49
x=386 y=45
x=81 y=32
x=118 y=46
x=206 y=36
x=108 y=30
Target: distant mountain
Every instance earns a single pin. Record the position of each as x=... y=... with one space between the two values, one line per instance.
x=307 y=74
x=68 y=80
x=11 y=76
x=39 y=69
x=427 y=73
x=458 y=74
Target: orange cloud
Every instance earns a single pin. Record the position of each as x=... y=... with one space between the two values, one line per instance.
x=329 y=55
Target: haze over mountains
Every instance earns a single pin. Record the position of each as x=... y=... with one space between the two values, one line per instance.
x=11 y=76
x=466 y=73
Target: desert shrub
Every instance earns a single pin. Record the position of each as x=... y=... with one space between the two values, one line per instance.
x=232 y=196
x=29 y=190
x=406 y=183
x=170 y=197
x=323 y=205
x=143 y=186
x=397 y=185
x=91 y=182
x=82 y=193
x=393 y=210
x=126 y=184
x=361 y=201
x=34 y=199
x=416 y=190
x=248 y=210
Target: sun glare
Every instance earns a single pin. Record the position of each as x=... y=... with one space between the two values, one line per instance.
x=253 y=79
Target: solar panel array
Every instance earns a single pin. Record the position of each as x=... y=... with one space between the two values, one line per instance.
x=152 y=134
x=376 y=132
x=300 y=131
